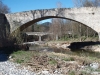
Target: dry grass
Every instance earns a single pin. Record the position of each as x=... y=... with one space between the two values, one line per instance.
x=25 y=56
x=39 y=60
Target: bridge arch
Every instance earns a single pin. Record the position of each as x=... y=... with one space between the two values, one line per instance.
x=24 y=26
x=88 y=16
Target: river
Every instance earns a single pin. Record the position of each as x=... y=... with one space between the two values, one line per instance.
x=79 y=52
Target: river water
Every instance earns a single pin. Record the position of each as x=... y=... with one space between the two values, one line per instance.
x=79 y=52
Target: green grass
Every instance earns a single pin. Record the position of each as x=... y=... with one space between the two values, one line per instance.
x=72 y=73
x=19 y=61
x=52 y=62
x=23 y=56
x=84 y=73
x=69 y=59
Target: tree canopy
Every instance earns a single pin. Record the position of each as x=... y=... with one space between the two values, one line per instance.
x=4 y=8
x=86 y=3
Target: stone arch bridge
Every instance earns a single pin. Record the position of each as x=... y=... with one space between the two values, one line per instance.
x=89 y=16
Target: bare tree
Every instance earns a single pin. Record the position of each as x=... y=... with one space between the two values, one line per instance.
x=4 y=8
x=59 y=4
x=86 y=3
x=55 y=28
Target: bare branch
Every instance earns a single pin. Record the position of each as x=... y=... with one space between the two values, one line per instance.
x=4 y=8
x=86 y=3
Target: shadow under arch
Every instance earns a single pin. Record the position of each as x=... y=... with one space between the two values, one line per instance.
x=24 y=26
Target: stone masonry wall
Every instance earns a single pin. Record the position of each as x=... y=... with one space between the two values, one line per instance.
x=86 y=15
x=4 y=30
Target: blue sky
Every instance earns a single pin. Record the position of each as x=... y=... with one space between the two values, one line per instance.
x=26 y=5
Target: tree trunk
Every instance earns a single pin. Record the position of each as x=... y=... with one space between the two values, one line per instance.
x=80 y=32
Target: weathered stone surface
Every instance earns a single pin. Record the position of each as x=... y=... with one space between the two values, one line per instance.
x=4 y=30
x=89 y=16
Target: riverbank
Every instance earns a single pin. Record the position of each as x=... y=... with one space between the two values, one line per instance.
x=88 y=46
x=71 y=63
x=56 y=59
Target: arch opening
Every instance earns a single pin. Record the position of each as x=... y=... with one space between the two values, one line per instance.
x=22 y=27
x=48 y=17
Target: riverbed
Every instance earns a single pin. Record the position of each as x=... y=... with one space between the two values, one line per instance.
x=52 y=60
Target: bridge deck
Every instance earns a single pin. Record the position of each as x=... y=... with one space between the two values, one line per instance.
x=37 y=33
x=34 y=43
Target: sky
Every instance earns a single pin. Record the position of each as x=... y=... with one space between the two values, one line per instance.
x=26 y=5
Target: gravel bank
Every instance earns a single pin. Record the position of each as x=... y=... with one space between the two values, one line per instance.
x=10 y=68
